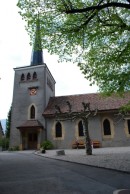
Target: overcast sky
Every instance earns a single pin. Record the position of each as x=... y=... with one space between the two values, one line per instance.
x=15 y=51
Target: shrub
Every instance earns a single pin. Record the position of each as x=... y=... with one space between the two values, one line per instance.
x=0 y=142
x=11 y=149
x=47 y=145
x=15 y=148
x=4 y=143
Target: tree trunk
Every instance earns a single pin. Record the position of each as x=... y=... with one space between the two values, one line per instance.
x=88 y=145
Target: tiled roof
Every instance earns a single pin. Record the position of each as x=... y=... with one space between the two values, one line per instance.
x=96 y=100
x=30 y=123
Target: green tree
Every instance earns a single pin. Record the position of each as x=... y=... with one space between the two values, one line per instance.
x=8 y=124
x=94 y=34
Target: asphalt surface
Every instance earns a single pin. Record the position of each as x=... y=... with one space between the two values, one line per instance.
x=117 y=158
x=27 y=173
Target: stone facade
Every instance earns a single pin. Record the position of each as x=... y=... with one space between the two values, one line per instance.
x=31 y=90
x=118 y=133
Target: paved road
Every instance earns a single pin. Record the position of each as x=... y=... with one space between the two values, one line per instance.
x=26 y=173
x=111 y=158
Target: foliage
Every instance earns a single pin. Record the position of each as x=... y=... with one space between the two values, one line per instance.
x=47 y=145
x=8 y=124
x=0 y=142
x=94 y=34
x=4 y=143
x=15 y=148
x=125 y=110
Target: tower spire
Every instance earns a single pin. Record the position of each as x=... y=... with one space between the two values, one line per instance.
x=37 y=54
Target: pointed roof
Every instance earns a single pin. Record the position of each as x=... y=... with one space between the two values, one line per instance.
x=37 y=54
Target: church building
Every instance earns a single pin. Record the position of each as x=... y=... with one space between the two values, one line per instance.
x=34 y=103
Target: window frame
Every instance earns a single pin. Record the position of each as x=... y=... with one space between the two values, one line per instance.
x=107 y=128
x=80 y=129
x=29 y=111
x=108 y=137
x=28 y=78
x=22 y=77
x=58 y=130
x=126 y=127
x=34 y=77
x=32 y=112
x=54 y=134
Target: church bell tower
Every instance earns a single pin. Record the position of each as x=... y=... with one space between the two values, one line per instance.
x=33 y=86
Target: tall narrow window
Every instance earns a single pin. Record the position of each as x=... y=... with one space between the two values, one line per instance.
x=32 y=112
x=34 y=75
x=128 y=123
x=106 y=127
x=22 y=77
x=58 y=130
x=28 y=76
x=80 y=129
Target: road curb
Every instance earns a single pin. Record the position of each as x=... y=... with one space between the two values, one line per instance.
x=64 y=160
x=122 y=191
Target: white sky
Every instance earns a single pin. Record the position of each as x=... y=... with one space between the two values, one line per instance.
x=15 y=51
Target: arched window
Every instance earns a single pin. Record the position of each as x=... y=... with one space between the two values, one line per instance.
x=34 y=75
x=80 y=129
x=58 y=130
x=128 y=123
x=28 y=76
x=106 y=127
x=22 y=77
x=32 y=112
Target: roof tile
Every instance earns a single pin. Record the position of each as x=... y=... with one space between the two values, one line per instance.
x=30 y=123
x=96 y=100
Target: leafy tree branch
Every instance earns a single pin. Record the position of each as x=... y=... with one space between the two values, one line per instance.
x=98 y=7
x=93 y=34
